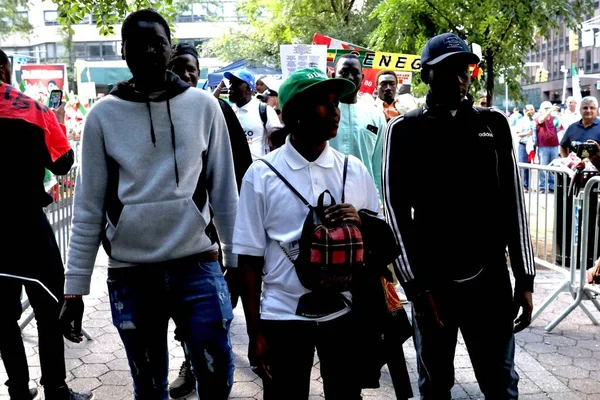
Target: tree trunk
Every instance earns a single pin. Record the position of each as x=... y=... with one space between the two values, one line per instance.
x=71 y=66
x=489 y=61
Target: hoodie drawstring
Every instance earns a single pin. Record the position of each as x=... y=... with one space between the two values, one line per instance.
x=172 y=136
x=152 y=135
x=173 y=142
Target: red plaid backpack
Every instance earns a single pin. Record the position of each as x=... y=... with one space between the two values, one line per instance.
x=329 y=255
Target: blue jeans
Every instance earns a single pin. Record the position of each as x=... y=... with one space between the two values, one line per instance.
x=523 y=158
x=194 y=293
x=546 y=155
x=482 y=309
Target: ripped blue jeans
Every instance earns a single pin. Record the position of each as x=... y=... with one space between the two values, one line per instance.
x=192 y=292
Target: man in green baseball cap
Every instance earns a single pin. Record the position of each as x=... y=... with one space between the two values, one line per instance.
x=269 y=225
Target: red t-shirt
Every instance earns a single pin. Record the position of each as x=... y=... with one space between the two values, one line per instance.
x=547 y=134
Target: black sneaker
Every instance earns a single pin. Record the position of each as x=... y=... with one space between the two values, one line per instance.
x=185 y=384
x=65 y=393
x=80 y=396
x=31 y=395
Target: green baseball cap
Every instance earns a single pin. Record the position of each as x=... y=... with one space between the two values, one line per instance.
x=303 y=81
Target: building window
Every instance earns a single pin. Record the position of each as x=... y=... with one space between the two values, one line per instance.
x=79 y=50
x=86 y=20
x=50 y=50
x=109 y=50
x=51 y=18
x=96 y=51
x=588 y=60
x=93 y=51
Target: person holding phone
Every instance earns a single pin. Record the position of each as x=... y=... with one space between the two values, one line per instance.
x=34 y=259
x=587 y=128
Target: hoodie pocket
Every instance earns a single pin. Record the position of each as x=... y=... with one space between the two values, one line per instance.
x=154 y=232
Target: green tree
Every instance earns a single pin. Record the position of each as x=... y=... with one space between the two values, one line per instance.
x=11 y=21
x=275 y=22
x=111 y=12
x=505 y=29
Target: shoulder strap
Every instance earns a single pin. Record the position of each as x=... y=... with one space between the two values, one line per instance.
x=262 y=109
x=293 y=189
x=344 y=179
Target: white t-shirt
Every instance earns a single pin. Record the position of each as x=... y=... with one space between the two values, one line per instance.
x=249 y=117
x=269 y=213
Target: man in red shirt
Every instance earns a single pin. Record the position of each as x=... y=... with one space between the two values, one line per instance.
x=547 y=143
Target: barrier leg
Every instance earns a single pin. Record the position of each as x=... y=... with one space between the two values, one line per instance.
x=26 y=321
x=594 y=300
x=562 y=288
x=87 y=335
x=589 y=314
x=564 y=314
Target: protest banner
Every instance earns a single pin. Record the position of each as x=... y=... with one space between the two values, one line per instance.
x=297 y=56
x=38 y=80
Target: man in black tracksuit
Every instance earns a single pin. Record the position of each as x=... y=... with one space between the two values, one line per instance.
x=453 y=197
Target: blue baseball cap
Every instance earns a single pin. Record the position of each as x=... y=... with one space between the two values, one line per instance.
x=441 y=47
x=243 y=75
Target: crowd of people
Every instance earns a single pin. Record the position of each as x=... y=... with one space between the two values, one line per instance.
x=196 y=205
x=549 y=133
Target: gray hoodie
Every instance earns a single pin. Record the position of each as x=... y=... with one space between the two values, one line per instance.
x=148 y=170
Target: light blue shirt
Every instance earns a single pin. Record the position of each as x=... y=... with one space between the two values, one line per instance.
x=361 y=134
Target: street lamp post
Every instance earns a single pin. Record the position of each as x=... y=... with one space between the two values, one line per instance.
x=564 y=70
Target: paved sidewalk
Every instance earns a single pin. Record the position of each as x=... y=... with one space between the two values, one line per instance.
x=561 y=365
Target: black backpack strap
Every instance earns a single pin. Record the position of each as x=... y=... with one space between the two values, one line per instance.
x=344 y=179
x=262 y=110
x=293 y=189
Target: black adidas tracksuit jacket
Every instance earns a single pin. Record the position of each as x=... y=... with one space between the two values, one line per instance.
x=453 y=197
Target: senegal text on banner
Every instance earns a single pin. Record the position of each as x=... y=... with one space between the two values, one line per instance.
x=397 y=61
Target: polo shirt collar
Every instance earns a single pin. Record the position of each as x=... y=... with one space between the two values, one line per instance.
x=296 y=161
x=580 y=123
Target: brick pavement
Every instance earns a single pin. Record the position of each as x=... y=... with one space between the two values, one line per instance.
x=561 y=365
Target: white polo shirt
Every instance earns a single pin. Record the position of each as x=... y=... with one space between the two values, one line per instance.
x=269 y=213
x=249 y=117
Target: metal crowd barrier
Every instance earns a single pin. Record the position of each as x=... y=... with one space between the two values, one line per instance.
x=578 y=285
x=563 y=240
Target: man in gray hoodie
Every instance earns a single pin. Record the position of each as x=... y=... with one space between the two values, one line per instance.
x=154 y=153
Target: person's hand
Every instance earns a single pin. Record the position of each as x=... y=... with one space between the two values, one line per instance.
x=60 y=113
x=71 y=316
x=233 y=278
x=258 y=355
x=524 y=302
x=596 y=272
x=342 y=213
x=427 y=312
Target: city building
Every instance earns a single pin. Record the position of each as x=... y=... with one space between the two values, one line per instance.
x=100 y=56
x=557 y=54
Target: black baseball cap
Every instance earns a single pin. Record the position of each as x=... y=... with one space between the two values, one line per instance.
x=441 y=47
